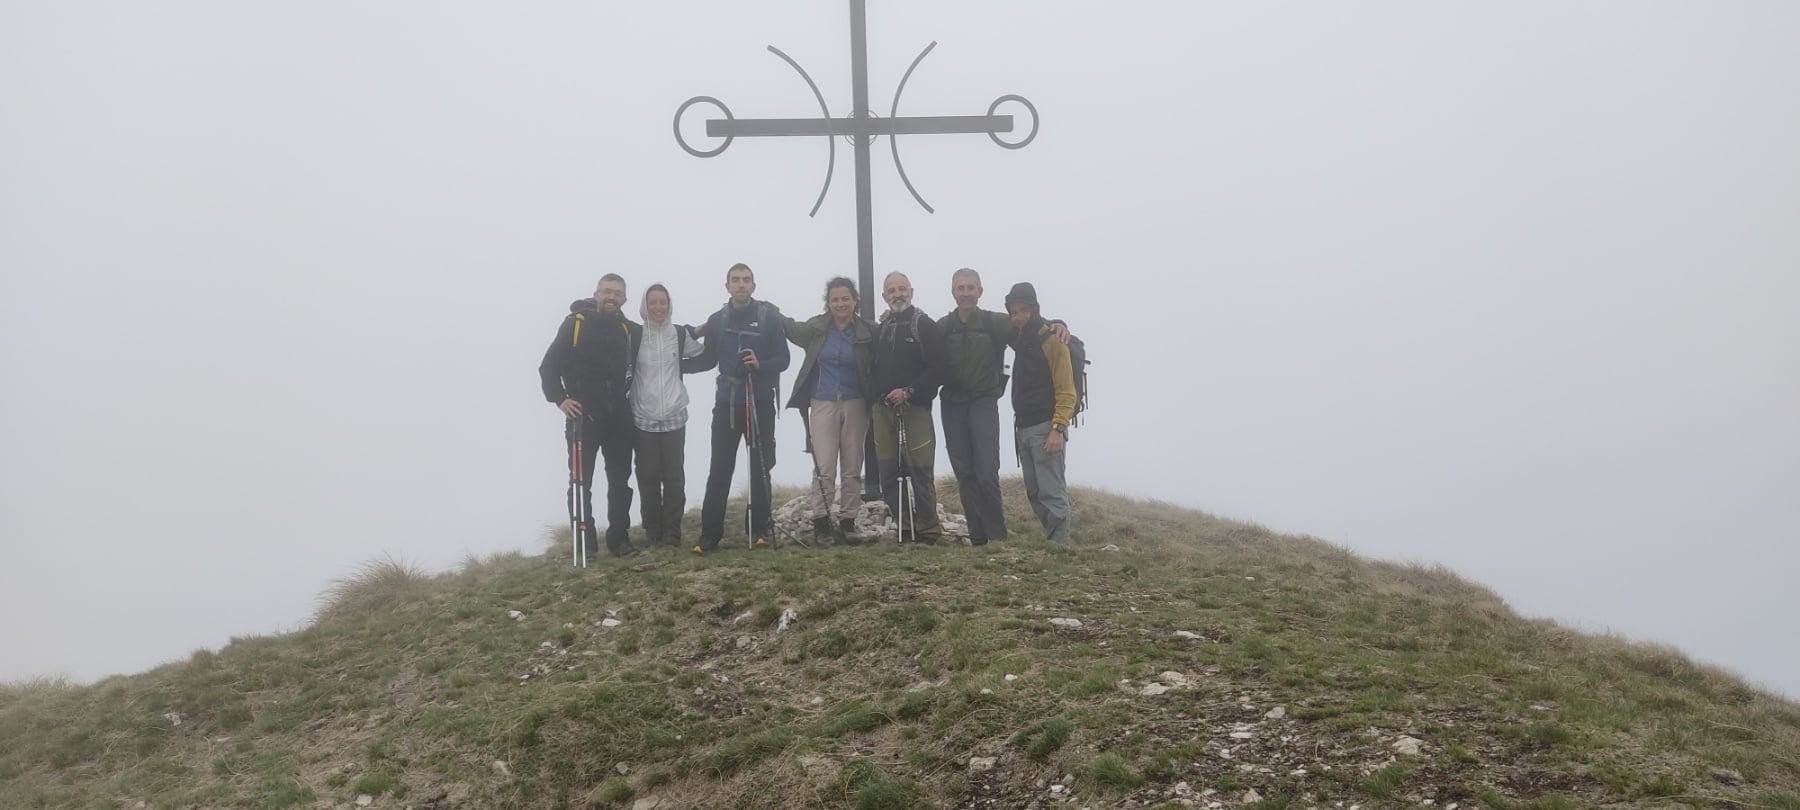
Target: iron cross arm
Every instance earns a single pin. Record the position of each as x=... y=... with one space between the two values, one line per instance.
x=861 y=126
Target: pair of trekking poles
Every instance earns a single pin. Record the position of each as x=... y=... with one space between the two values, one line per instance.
x=580 y=521
x=906 y=498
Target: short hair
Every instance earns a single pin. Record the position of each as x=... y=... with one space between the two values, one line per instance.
x=968 y=272
x=739 y=266
x=611 y=277
x=885 y=279
x=840 y=281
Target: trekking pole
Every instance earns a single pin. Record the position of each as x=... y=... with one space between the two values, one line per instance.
x=904 y=497
x=750 y=439
x=577 y=503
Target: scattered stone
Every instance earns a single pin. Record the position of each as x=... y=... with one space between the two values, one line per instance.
x=1242 y=735
x=788 y=617
x=980 y=764
x=744 y=642
x=1726 y=776
x=610 y=622
x=364 y=800
x=501 y=768
x=816 y=701
x=517 y=616
x=744 y=617
x=1539 y=707
x=1057 y=788
x=1173 y=678
x=1154 y=689
x=548 y=644
x=624 y=768
x=1408 y=746
x=986 y=691
x=794 y=519
x=1011 y=677
x=1251 y=796
x=1187 y=634
x=1069 y=623
x=1110 y=547
x=1276 y=713
x=815 y=764
x=647 y=803
x=174 y=718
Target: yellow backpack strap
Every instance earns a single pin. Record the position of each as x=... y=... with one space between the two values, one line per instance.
x=577 y=339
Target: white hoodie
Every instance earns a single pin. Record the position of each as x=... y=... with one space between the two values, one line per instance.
x=659 y=399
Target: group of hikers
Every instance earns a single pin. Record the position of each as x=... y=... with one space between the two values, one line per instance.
x=619 y=386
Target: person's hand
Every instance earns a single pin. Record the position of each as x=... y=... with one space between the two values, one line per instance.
x=750 y=359
x=1061 y=331
x=896 y=397
x=697 y=331
x=570 y=408
x=1054 y=444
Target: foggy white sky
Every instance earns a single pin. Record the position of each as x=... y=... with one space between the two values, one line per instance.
x=1509 y=288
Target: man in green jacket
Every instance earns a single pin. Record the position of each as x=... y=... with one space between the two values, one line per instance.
x=975 y=340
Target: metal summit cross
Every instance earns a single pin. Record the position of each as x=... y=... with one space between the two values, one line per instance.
x=861 y=126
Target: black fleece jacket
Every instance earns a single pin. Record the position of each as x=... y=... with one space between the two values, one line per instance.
x=591 y=360
x=910 y=354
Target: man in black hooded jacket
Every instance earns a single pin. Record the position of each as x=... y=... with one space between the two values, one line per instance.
x=586 y=373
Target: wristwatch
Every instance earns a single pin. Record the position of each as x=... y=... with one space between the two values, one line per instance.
x=1063 y=429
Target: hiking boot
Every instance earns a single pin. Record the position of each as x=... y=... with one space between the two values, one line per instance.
x=978 y=541
x=822 y=529
x=760 y=543
x=699 y=550
x=846 y=529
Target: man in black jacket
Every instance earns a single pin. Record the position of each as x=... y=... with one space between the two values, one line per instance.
x=586 y=373
x=910 y=363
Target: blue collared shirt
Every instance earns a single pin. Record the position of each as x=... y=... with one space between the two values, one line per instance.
x=837 y=364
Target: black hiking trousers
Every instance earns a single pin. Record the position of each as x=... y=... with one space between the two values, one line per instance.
x=727 y=434
x=662 y=481
x=611 y=438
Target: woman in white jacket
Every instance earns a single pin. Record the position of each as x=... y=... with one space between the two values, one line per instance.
x=659 y=403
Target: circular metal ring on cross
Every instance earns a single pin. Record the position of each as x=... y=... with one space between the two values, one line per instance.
x=851 y=137
x=996 y=137
x=728 y=138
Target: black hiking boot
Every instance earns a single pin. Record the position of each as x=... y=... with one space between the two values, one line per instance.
x=846 y=531
x=822 y=530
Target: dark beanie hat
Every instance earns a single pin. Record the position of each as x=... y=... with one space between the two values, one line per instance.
x=1023 y=293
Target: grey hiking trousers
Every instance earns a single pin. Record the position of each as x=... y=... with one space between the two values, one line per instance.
x=972 y=435
x=1045 y=484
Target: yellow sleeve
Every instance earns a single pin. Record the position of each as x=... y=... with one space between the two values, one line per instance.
x=1062 y=379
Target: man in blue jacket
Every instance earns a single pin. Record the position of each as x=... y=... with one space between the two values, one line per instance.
x=746 y=342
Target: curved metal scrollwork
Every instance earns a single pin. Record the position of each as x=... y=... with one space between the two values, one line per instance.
x=856 y=126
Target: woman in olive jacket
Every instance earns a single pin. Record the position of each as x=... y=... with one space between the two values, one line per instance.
x=832 y=394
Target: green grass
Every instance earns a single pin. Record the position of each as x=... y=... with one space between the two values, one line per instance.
x=410 y=685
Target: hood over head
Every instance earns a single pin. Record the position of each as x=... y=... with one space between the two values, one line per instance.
x=644 y=304
x=1023 y=292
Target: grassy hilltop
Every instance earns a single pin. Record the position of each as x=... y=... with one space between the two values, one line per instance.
x=1209 y=664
